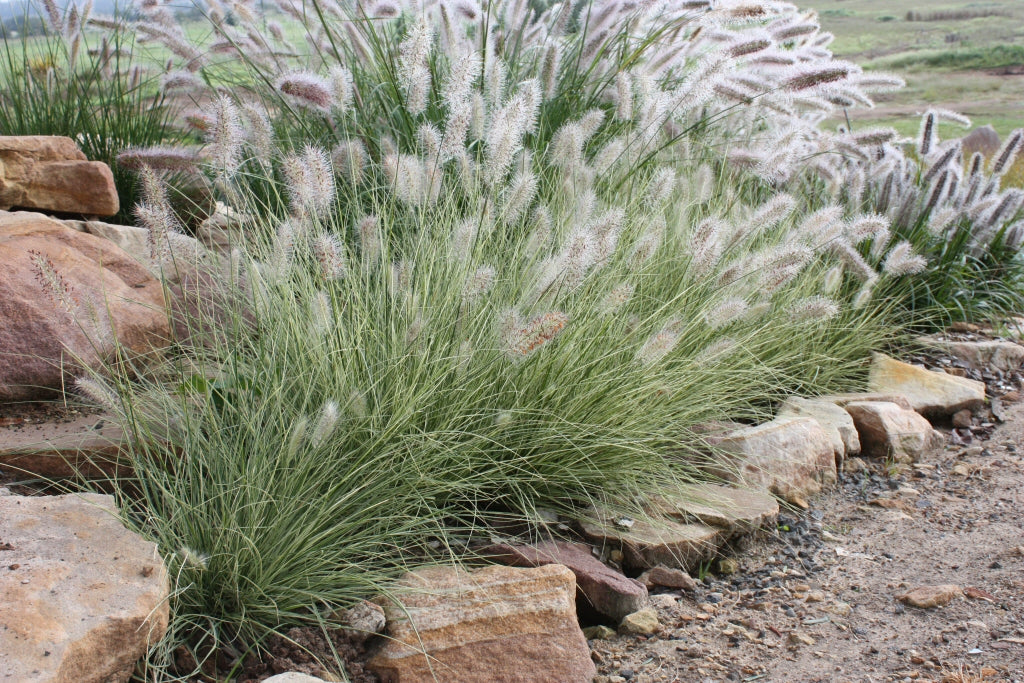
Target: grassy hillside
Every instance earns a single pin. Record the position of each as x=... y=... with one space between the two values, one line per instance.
x=962 y=55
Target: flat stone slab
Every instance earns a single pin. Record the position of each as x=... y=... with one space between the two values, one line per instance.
x=82 y=598
x=49 y=172
x=733 y=509
x=87 y=446
x=933 y=394
x=484 y=626
x=1005 y=356
x=648 y=544
x=603 y=588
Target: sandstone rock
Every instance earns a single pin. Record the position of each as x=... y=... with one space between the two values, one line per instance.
x=933 y=394
x=87 y=446
x=493 y=624
x=888 y=431
x=791 y=457
x=981 y=355
x=843 y=400
x=735 y=510
x=667 y=577
x=599 y=586
x=833 y=419
x=599 y=632
x=51 y=173
x=647 y=544
x=64 y=296
x=81 y=597
x=930 y=596
x=643 y=622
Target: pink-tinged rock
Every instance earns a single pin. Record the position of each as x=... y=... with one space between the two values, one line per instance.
x=64 y=298
x=88 y=446
x=933 y=394
x=50 y=173
x=598 y=586
x=792 y=458
x=649 y=543
x=735 y=510
x=494 y=624
x=889 y=431
x=82 y=598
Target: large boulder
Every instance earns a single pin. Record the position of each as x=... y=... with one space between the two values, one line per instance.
x=791 y=457
x=50 y=173
x=933 y=394
x=493 y=624
x=836 y=422
x=598 y=587
x=889 y=431
x=82 y=598
x=983 y=139
x=65 y=298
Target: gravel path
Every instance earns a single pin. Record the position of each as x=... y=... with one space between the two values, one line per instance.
x=817 y=601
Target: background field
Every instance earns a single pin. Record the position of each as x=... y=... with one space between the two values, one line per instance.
x=965 y=56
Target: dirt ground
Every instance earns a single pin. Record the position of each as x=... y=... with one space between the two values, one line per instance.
x=817 y=601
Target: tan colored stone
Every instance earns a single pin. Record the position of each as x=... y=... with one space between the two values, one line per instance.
x=889 y=431
x=598 y=586
x=667 y=577
x=833 y=419
x=646 y=544
x=933 y=394
x=982 y=139
x=51 y=326
x=926 y=597
x=736 y=510
x=52 y=174
x=644 y=622
x=86 y=597
x=791 y=457
x=493 y=624
x=89 y=445
x=1006 y=356
x=843 y=400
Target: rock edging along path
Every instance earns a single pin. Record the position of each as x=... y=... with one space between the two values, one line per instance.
x=81 y=597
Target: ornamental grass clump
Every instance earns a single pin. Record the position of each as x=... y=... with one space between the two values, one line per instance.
x=495 y=262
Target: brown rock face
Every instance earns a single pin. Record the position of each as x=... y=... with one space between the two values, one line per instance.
x=64 y=297
x=982 y=355
x=51 y=173
x=599 y=586
x=494 y=624
x=889 y=431
x=933 y=394
x=81 y=597
x=791 y=457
